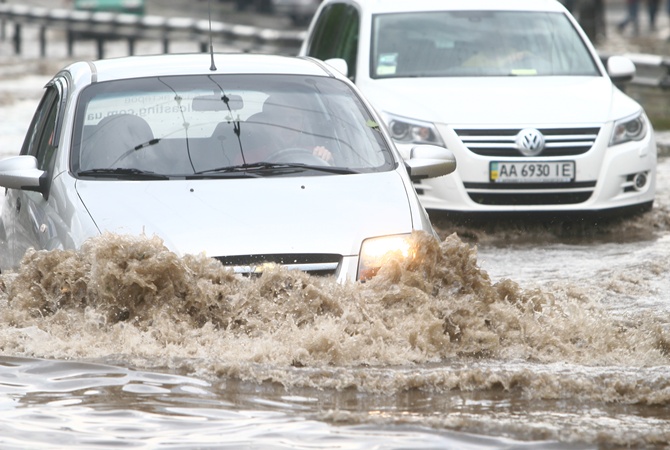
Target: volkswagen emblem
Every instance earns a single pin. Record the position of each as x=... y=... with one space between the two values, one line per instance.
x=530 y=142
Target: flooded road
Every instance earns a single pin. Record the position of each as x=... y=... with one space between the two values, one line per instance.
x=508 y=334
x=139 y=344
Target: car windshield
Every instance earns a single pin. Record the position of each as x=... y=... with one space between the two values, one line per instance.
x=477 y=43
x=225 y=126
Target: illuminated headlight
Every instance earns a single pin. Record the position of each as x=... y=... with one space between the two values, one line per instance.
x=376 y=251
x=632 y=128
x=410 y=131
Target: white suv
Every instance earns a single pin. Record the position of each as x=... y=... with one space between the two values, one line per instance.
x=514 y=89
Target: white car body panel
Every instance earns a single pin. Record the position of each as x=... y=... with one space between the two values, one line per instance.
x=451 y=102
x=285 y=215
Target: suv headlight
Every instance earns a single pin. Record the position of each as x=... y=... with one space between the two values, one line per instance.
x=376 y=251
x=411 y=131
x=632 y=128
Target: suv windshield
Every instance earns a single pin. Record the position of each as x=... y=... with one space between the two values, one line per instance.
x=225 y=126
x=477 y=43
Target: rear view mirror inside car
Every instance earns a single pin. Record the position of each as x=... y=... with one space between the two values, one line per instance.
x=217 y=102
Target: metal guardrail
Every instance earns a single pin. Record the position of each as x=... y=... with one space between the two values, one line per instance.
x=104 y=26
x=651 y=70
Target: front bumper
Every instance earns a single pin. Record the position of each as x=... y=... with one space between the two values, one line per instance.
x=605 y=178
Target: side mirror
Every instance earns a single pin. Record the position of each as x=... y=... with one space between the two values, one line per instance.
x=620 y=69
x=20 y=172
x=339 y=64
x=430 y=161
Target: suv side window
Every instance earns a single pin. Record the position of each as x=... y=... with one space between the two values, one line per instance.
x=335 y=35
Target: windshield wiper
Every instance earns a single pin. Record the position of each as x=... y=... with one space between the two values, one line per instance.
x=121 y=172
x=237 y=171
x=265 y=167
x=242 y=168
x=141 y=146
x=318 y=168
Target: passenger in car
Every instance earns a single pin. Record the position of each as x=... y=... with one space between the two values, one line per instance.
x=114 y=142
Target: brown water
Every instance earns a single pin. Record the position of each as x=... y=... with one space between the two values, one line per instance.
x=151 y=350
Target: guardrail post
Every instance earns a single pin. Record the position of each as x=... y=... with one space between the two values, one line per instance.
x=3 y=26
x=100 y=45
x=131 y=46
x=17 y=38
x=70 y=43
x=43 y=41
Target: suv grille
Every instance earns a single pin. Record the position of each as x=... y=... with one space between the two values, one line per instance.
x=519 y=199
x=572 y=193
x=501 y=142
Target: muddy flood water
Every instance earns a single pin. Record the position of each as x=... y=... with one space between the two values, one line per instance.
x=511 y=334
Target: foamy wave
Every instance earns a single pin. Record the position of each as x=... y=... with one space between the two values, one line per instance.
x=131 y=298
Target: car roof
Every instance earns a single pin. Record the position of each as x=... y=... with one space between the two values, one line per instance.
x=391 y=6
x=192 y=64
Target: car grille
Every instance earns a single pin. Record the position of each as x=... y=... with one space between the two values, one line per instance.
x=572 y=193
x=312 y=263
x=525 y=199
x=501 y=142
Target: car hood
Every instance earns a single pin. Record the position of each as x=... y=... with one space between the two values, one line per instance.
x=316 y=214
x=511 y=100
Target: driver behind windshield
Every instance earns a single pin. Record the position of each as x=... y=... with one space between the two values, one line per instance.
x=286 y=126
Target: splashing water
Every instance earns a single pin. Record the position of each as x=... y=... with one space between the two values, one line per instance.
x=131 y=297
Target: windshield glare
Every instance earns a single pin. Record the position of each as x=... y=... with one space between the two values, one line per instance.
x=477 y=43
x=187 y=125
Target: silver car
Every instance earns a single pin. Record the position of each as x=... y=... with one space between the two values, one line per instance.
x=251 y=159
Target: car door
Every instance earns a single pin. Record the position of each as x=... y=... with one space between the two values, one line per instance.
x=335 y=35
x=28 y=215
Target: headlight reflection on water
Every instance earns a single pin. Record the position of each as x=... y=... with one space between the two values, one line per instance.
x=375 y=251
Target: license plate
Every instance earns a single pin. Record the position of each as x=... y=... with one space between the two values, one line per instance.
x=532 y=172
